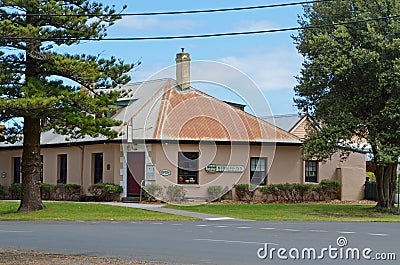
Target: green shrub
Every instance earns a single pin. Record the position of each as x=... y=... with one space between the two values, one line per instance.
x=15 y=191
x=153 y=192
x=46 y=190
x=60 y=192
x=175 y=193
x=106 y=191
x=216 y=192
x=330 y=189
x=245 y=192
x=296 y=192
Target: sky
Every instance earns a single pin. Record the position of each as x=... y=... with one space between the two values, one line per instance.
x=270 y=60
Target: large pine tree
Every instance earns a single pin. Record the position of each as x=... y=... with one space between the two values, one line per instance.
x=350 y=83
x=32 y=78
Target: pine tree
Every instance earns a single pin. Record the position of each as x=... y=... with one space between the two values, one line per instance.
x=350 y=83
x=33 y=89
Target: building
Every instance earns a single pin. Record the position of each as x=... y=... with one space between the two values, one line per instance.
x=173 y=134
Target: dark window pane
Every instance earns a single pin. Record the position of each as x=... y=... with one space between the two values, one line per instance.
x=311 y=173
x=62 y=169
x=188 y=168
x=258 y=171
x=17 y=169
x=98 y=167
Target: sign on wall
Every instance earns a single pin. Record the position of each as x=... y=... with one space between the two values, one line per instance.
x=150 y=172
x=165 y=172
x=213 y=168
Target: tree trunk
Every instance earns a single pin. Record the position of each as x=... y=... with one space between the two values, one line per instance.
x=386 y=184
x=31 y=166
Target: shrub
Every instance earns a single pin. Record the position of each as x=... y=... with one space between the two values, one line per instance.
x=326 y=190
x=175 y=193
x=46 y=190
x=105 y=191
x=216 y=192
x=330 y=189
x=15 y=191
x=60 y=192
x=245 y=192
x=153 y=192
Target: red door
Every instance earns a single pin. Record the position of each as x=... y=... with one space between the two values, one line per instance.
x=135 y=172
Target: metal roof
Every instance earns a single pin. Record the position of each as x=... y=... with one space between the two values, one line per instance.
x=158 y=110
x=286 y=122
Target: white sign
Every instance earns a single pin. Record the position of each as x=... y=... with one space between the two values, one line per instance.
x=165 y=172
x=212 y=168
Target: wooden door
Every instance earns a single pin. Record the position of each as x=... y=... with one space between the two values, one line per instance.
x=136 y=171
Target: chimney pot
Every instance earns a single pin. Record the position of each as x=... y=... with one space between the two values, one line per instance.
x=183 y=69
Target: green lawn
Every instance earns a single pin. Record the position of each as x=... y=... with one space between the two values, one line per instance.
x=81 y=211
x=295 y=212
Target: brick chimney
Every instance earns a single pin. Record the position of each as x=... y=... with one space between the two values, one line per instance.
x=183 y=70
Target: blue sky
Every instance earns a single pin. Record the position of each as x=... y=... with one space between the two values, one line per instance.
x=271 y=59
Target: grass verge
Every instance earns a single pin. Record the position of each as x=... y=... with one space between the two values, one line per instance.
x=295 y=212
x=72 y=211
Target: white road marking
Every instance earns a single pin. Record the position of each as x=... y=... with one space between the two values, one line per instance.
x=219 y=218
x=157 y=223
x=372 y=234
x=221 y=226
x=345 y=232
x=176 y=224
x=233 y=241
x=319 y=231
x=291 y=230
x=243 y=227
x=14 y=231
x=202 y=225
x=268 y=228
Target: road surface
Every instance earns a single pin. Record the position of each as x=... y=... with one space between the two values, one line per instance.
x=210 y=242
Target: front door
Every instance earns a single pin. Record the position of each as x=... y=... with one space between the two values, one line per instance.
x=136 y=171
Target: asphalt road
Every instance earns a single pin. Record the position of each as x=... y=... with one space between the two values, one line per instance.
x=209 y=242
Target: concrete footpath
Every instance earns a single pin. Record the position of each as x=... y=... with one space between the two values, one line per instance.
x=159 y=208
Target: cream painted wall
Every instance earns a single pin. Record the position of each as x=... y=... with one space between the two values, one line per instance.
x=79 y=168
x=6 y=164
x=285 y=164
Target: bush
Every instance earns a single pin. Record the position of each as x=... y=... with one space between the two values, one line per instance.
x=153 y=192
x=330 y=189
x=216 y=192
x=106 y=191
x=326 y=190
x=60 y=192
x=15 y=191
x=175 y=193
x=245 y=192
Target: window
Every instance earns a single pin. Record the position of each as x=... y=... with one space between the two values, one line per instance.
x=41 y=169
x=311 y=171
x=188 y=168
x=17 y=169
x=98 y=167
x=62 y=169
x=258 y=171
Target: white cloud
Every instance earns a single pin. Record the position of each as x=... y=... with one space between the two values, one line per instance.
x=254 y=25
x=152 y=23
x=271 y=70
